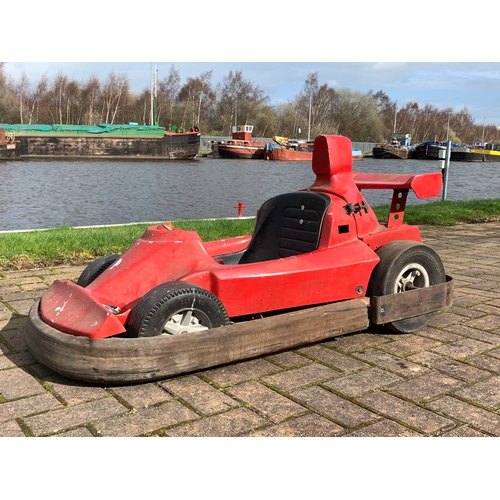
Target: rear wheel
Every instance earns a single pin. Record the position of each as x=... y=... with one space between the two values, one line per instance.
x=95 y=269
x=174 y=308
x=403 y=266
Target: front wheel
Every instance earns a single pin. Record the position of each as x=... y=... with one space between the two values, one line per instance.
x=174 y=308
x=403 y=266
x=95 y=269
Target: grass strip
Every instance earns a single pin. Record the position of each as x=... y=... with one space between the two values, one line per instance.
x=447 y=213
x=67 y=245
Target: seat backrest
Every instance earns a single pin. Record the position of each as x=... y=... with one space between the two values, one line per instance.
x=288 y=224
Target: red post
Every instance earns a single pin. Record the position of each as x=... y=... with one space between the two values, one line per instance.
x=240 y=208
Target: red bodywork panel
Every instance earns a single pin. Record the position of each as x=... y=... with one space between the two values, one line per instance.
x=339 y=268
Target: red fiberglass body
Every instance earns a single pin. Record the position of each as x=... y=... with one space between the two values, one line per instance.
x=314 y=246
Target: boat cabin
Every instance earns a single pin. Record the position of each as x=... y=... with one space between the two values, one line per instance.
x=242 y=132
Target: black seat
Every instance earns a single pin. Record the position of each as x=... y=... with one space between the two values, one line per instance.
x=288 y=224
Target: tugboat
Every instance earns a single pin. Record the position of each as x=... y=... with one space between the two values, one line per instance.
x=240 y=146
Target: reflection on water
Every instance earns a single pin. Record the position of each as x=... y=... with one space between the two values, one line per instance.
x=44 y=193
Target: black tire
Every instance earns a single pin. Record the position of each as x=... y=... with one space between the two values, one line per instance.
x=95 y=269
x=404 y=265
x=174 y=308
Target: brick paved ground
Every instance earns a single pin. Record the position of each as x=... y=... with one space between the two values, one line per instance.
x=442 y=381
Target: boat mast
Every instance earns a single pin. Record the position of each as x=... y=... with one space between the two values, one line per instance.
x=310 y=107
x=155 y=110
x=151 y=93
x=154 y=96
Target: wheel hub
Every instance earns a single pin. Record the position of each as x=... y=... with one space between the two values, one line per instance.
x=187 y=321
x=411 y=276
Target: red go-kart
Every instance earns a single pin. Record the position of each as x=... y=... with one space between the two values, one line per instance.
x=320 y=245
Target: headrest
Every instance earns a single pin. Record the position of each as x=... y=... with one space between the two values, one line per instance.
x=332 y=155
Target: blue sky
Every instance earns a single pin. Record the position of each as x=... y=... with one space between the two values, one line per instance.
x=440 y=59
x=475 y=86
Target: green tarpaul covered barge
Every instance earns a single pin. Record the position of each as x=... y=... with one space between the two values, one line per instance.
x=103 y=141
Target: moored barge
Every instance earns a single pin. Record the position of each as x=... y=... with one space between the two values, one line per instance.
x=7 y=146
x=113 y=141
x=487 y=153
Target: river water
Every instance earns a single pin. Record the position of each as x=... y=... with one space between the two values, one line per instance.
x=38 y=194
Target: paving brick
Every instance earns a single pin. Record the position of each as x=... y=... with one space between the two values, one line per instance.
x=485 y=393
x=5 y=316
x=142 y=395
x=19 y=359
x=28 y=406
x=384 y=428
x=494 y=353
x=426 y=387
x=487 y=308
x=463 y=431
x=238 y=422
x=5 y=361
x=486 y=362
x=300 y=377
x=357 y=341
x=409 y=344
x=443 y=319
x=17 y=294
x=265 y=401
x=466 y=413
x=338 y=409
x=468 y=300
x=150 y=420
x=450 y=367
x=11 y=429
x=489 y=322
x=15 y=337
x=41 y=371
x=73 y=392
x=483 y=284
x=233 y=374
x=495 y=303
x=22 y=307
x=199 y=394
x=16 y=383
x=4 y=350
x=463 y=349
x=310 y=425
x=289 y=359
x=490 y=337
x=362 y=382
x=443 y=336
x=407 y=413
x=74 y=416
x=485 y=294
x=79 y=432
x=337 y=360
x=400 y=366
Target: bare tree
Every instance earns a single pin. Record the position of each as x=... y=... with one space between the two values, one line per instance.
x=114 y=96
x=89 y=101
x=168 y=90
x=237 y=101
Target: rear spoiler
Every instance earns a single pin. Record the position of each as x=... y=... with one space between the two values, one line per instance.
x=423 y=185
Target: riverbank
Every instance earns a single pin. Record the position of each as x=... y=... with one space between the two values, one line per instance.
x=78 y=246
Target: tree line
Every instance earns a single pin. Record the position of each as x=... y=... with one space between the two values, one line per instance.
x=316 y=109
